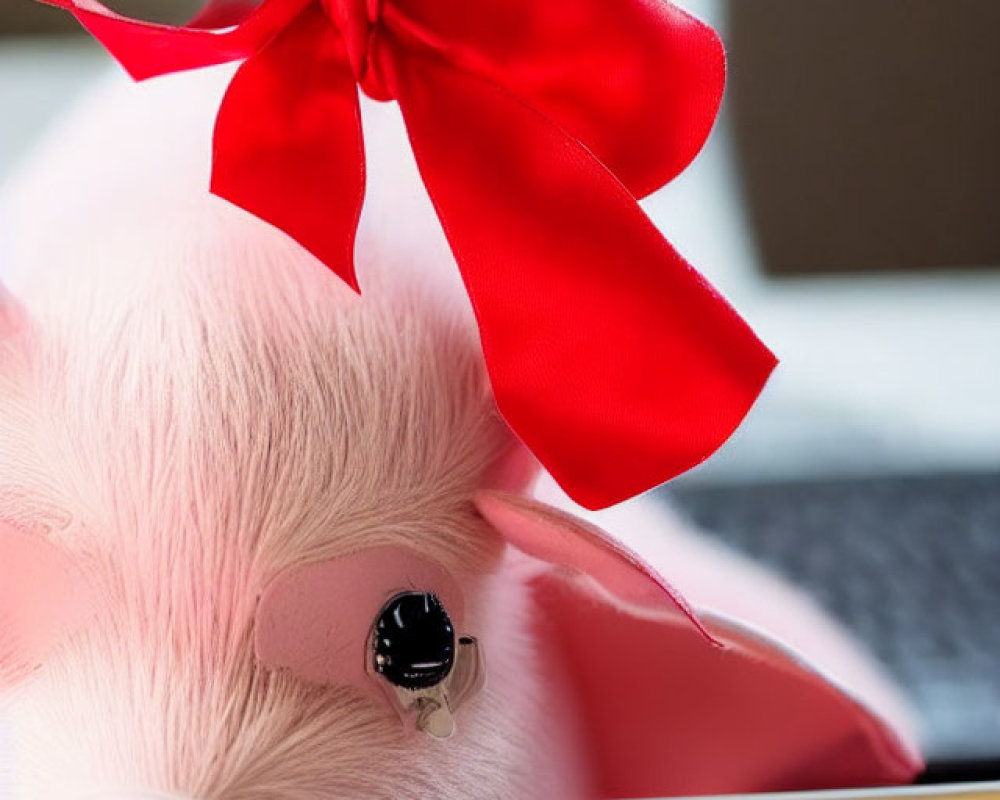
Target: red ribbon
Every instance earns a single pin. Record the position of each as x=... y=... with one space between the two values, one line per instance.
x=536 y=124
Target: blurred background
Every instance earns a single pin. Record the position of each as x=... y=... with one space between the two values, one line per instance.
x=847 y=204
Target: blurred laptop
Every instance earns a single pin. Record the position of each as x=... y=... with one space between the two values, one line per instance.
x=847 y=206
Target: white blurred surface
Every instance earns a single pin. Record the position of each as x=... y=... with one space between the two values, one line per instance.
x=38 y=77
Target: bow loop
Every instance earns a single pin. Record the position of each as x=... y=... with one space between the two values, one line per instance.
x=638 y=82
x=290 y=127
x=147 y=50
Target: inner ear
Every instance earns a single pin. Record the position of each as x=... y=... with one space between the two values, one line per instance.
x=43 y=596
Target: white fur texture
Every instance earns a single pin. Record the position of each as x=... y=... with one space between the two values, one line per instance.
x=198 y=404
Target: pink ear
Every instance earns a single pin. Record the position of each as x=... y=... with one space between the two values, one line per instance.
x=662 y=711
x=12 y=316
x=557 y=538
x=42 y=597
x=315 y=620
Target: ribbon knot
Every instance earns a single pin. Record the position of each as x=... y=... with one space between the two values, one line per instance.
x=359 y=22
x=536 y=126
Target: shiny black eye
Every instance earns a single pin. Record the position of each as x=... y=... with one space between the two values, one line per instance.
x=414 y=641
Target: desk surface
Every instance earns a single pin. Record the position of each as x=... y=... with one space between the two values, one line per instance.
x=956 y=791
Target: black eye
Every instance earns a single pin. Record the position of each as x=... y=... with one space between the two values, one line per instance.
x=414 y=641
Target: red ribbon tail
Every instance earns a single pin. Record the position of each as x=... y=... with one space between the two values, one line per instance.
x=288 y=141
x=146 y=49
x=612 y=359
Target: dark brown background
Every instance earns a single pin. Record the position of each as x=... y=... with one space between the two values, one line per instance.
x=868 y=131
x=31 y=17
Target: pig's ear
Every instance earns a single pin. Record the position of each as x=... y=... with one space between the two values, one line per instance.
x=43 y=596
x=577 y=548
x=667 y=711
x=13 y=318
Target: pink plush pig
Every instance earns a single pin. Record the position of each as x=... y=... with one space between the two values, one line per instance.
x=224 y=476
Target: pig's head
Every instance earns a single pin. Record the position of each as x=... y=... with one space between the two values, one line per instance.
x=193 y=415
x=220 y=468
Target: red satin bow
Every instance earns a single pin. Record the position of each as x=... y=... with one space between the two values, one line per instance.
x=536 y=124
